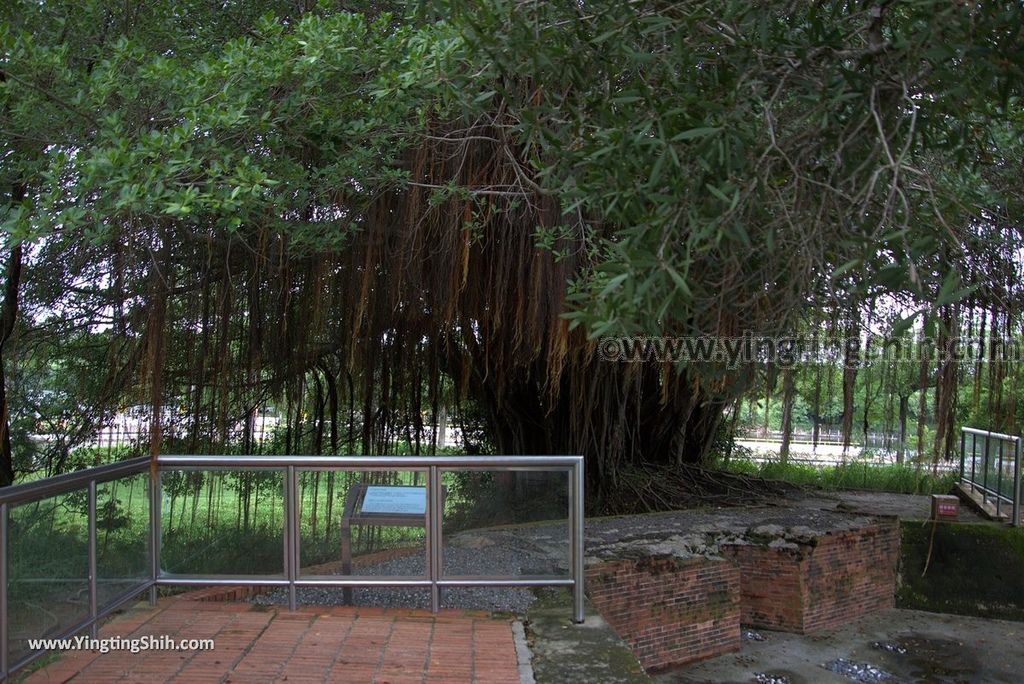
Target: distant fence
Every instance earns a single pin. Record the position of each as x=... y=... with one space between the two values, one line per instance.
x=942 y=467
x=873 y=440
x=990 y=465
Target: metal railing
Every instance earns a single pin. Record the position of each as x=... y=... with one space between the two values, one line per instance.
x=33 y=492
x=995 y=471
x=433 y=579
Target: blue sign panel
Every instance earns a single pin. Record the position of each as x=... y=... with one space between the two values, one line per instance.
x=399 y=500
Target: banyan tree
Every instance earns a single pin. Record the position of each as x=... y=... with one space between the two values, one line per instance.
x=371 y=222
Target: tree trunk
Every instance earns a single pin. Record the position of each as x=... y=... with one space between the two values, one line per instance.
x=904 y=409
x=156 y=344
x=850 y=365
x=663 y=418
x=816 y=427
x=733 y=422
x=945 y=390
x=7 y=321
x=922 y=406
x=788 y=393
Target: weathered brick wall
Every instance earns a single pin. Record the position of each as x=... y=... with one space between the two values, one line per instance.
x=849 y=574
x=835 y=578
x=771 y=585
x=669 y=611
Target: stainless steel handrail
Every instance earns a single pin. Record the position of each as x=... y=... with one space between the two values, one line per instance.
x=433 y=465
x=59 y=484
x=88 y=479
x=530 y=463
x=986 y=491
x=29 y=492
x=989 y=433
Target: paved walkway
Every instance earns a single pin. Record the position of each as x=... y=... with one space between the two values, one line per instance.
x=313 y=644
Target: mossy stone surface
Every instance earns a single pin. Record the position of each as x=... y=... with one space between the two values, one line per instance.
x=590 y=653
x=975 y=569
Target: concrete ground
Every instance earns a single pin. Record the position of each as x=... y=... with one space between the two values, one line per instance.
x=566 y=653
x=905 y=506
x=898 y=645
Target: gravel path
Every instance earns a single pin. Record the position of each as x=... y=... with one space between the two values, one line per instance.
x=497 y=553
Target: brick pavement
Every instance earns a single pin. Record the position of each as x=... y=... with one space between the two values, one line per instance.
x=313 y=644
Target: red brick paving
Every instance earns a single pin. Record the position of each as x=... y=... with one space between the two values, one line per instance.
x=314 y=644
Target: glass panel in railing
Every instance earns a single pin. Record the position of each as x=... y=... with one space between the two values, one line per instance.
x=1006 y=479
x=369 y=523
x=992 y=465
x=361 y=523
x=506 y=523
x=222 y=522
x=122 y=536
x=973 y=467
x=48 y=566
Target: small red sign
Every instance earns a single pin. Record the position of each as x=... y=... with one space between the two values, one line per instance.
x=945 y=507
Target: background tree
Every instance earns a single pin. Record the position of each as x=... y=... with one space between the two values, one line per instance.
x=365 y=218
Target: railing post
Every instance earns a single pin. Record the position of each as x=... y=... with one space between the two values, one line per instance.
x=576 y=514
x=999 y=479
x=985 y=466
x=1016 y=482
x=974 y=456
x=428 y=532
x=4 y=663
x=93 y=597
x=154 y=532
x=291 y=545
x=963 y=455
x=434 y=537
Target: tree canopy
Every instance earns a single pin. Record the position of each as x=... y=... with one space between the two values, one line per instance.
x=366 y=212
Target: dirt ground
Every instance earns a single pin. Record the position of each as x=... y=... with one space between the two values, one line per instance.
x=892 y=646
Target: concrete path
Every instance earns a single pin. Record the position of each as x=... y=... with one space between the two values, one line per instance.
x=255 y=644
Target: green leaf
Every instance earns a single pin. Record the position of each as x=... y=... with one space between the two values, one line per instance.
x=694 y=133
x=903 y=325
x=680 y=282
x=949 y=293
x=845 y=267
x=718 y=193
x=614 y=283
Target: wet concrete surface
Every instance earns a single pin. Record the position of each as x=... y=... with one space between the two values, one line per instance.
x=894 y=646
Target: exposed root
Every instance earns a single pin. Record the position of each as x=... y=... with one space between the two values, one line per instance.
x=656 y=488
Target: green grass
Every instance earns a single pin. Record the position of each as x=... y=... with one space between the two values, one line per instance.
x=904 y=479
